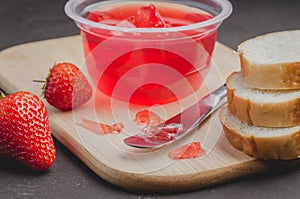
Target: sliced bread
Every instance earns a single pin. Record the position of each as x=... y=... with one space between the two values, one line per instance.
x=262 y=108
x=271 y=61
x=261 y=142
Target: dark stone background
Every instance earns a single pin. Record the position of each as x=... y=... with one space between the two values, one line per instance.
x=24 y=21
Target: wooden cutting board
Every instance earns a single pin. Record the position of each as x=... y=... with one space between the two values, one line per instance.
x=108 y=156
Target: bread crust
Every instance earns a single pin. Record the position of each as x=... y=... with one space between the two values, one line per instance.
x=284 y=147
x=283 y=76
x=284 y=114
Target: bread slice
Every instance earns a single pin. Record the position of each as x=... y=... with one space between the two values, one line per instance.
x=261 y=142
x=271 y=61
x=262 y=108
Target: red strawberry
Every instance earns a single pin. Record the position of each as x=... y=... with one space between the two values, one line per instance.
x=24 y=131
x=66 y=87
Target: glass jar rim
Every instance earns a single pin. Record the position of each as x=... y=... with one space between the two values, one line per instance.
x=71 y=7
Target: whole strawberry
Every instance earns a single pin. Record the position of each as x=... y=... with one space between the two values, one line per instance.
x=66 y=87
x=24 y=131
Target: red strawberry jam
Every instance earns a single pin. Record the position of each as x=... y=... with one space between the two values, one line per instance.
x=148 y=68
x=147 y=118
x=148 y=17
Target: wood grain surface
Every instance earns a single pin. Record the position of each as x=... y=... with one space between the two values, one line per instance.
x=108 y=156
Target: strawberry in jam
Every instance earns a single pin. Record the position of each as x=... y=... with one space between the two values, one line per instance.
x=148 y=17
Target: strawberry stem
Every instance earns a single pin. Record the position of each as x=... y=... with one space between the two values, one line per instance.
x=2 y=94
x=44 y=85
x=39 y=81
x=44 y=81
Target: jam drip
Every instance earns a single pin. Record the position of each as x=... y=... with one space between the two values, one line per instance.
x=189 y=151
x=162 y=133
x=100 y=128
x=147 y=118
x=155 y=130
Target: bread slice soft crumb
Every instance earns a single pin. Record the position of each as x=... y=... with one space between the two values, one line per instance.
x=271 y=61
x=273 y=48
x=261 y=142
x=260 y=107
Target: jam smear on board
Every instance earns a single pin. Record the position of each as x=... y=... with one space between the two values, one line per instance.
x=100 y=128
x=189 y=151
